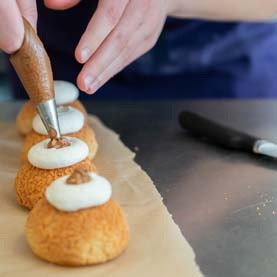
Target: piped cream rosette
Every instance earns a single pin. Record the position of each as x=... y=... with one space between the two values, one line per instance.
x=70 y=119
x=72 y=123
x=67 y=197
x=41 y=156
x=65 y=92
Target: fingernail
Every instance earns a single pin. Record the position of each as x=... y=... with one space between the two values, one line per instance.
x=85 y=54
x=88 y=80
x=94 y=86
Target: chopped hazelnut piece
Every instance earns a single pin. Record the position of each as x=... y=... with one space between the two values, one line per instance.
x=79 y=176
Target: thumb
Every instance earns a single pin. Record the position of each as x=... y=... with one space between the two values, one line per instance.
x=11 y=27
x=60 y=4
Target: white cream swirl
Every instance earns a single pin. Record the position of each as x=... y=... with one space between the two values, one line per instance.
x=71 y=120
x=51 y=158
x=68 y=197
x=65 y=92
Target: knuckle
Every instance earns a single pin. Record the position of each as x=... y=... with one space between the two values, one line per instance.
x=96 y=67
x=112 y=14
x=121 y=40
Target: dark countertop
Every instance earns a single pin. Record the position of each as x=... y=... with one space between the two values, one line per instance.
x=225 y=202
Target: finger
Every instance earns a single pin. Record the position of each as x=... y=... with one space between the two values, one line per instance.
x=60 y=4
x=121 y=62
x=11 y=27
x=139 y=45
x=106 y=17
x=118 y=41
x=28 y=10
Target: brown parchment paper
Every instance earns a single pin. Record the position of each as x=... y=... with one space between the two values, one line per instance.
x=157 y=247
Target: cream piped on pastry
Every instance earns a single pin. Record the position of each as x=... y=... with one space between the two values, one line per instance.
x=41 y=156
x=65 y=92
x=72 y=197
x=71 y=120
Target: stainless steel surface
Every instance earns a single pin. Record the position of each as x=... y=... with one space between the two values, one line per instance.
x=225 y=202
x=265 y=148
x=48 y=114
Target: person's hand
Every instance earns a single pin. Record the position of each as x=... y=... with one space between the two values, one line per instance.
x=119 y=32
x=11 y=23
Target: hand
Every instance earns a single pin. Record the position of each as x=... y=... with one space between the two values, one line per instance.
x=119 y=32
x=11 y=23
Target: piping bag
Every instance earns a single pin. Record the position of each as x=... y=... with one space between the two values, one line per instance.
x=33 y=68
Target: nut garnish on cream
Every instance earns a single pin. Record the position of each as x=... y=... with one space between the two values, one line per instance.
x=57 y=142
x=79 y=176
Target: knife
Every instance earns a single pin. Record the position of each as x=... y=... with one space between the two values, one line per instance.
x=226 y=136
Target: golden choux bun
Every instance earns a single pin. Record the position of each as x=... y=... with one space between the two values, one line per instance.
x=90 y=236
x=86 y=134
x=31 y=182
x=27 y=113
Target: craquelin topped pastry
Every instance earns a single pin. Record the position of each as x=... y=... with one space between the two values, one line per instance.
x=47 y=161
x=77 y=223
x=72 y=123
x=66 y=94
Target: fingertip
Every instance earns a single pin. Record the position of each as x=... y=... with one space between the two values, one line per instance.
x=50 y=4
x=60 y=4
x=11 y=27
x=90 y=92
x=78 y=55
x=80 y=83
x=86 y=83
x=14 y=42
x=12 y=46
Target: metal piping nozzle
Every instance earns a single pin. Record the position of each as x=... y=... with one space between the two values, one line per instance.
x=48 y=114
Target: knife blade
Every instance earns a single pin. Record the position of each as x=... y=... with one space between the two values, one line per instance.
x=226 y=136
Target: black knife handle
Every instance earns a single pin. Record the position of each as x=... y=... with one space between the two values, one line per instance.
x=217 y=133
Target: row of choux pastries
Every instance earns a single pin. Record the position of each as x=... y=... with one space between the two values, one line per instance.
x=73 y=218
